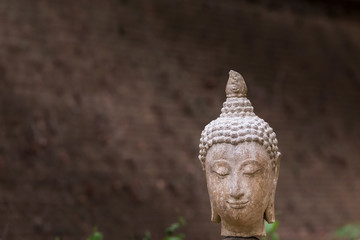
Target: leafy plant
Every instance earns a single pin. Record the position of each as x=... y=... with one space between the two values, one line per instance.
x=96 y=235
x=349 y=231
x=170 y=231
x=270 y=229
x=147 y=236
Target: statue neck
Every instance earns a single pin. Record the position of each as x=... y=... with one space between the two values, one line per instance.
x=254 y=231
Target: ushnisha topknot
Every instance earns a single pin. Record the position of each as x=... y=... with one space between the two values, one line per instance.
x=237 y=122
x=236 y=86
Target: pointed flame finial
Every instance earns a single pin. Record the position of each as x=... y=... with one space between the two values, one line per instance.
x=236 y=86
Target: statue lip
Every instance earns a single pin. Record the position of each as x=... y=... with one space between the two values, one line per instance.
x=237 y=204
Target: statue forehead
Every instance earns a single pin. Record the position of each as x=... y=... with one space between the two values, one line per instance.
x=240 y=151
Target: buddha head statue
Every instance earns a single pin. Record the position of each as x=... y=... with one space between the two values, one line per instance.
x=240 y=158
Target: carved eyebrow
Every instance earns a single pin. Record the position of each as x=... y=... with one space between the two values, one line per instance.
x=221 y=160
x=250 y=162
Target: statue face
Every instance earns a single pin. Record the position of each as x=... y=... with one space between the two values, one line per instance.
x=240 y=180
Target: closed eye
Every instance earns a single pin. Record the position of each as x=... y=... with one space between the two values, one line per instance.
x=252 y=172
x=221 y=168
x=222 y=171
x=250 y=168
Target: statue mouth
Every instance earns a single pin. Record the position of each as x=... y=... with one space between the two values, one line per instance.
x=237 y=204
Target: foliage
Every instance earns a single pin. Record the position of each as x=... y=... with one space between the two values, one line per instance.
x=96 y=235
x=270 y=229
x=147 y=236
x=349 y=231
x=170 y=231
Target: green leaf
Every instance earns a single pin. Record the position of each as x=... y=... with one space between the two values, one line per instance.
x=147 y=236
x=271 y=228
x=181 y=235
x=170 y=230
x=182 y=221
x=178 y=237
x=96 y=235
x=275 y=236
x=172 y=238
x=351 y=231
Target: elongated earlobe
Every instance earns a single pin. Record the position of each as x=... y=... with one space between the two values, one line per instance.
x=269 y=214
x=270 y=211
x=214 y=215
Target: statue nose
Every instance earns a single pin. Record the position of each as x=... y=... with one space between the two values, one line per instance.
x=236 y=188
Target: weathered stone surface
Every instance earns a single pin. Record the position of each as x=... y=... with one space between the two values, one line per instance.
x=240 y=157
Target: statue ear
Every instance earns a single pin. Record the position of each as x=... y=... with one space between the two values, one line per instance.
x=270 y=210
x=214 y=215
x=269 y=215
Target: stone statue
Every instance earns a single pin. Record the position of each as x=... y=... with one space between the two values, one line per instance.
x=240 y=157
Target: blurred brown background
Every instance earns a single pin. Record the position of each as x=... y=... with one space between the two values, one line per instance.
x=102 y=104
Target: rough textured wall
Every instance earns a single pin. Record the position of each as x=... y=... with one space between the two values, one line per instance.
x=102 y=104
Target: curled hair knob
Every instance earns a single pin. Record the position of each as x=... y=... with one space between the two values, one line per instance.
x=236 y=86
